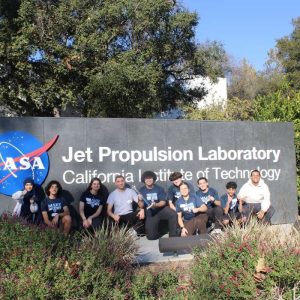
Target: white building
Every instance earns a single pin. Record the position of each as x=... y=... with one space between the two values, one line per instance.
x=216 y=92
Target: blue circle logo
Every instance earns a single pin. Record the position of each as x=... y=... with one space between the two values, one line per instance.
x=21 y=156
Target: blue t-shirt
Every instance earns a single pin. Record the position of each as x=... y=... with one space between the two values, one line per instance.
x=204 y=197
x=174 y=192
x=53 y=206
x=155 y=194
x=233 y=205
x=186 y=206
x=91 y=203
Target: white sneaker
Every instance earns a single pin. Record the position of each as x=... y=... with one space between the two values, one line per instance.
x=216 y=231
x=211 y=228
x=132 y=232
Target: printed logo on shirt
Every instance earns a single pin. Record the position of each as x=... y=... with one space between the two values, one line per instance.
x=54 y=208
x=152 y=197
x=187 y=207
x=177 y=195
x=205 y=199
x=233 y=203
x=92 y=202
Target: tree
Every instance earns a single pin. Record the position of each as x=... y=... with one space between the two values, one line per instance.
x=243 y=81
x=288 y=52
x=112 y=58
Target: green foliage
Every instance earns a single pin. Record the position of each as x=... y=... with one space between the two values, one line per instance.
x=124 y=58
x=235 y=109
x=249 y=262
x=151 y=285
x=288 y=52
x=40 y=263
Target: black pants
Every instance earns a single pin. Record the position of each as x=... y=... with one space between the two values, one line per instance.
x=152 y=221
x=215 y=215
x=131 y=220
x=253 y=208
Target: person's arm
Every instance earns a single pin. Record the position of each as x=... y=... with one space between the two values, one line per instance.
x=111 y=214
x=184 y=231
x=172 y=206
x=46 y=219
x=19 y=195
x=217 y=201
x=161 y=195
x=170 y=198
x=266 y=203
x=202 y=208
x=227 y=206
x=85 y=222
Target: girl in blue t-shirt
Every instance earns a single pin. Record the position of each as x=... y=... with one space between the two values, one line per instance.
x=191 y=212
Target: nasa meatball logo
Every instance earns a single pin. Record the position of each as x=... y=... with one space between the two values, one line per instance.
x=21 y=156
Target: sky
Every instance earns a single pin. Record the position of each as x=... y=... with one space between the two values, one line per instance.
x=246 y=28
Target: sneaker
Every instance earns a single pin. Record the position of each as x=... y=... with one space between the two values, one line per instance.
x=211 y=227
x=216 y=231
x=132 y=232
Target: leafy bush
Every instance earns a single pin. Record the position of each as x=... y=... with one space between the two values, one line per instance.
x=148 y=284
x=40 y=263
x=249 y=262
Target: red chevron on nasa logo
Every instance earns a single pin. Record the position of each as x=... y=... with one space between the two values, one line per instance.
x=21 y=156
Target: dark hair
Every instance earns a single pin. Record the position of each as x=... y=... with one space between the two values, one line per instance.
x=91 y=182
x=117 y=177
x=184 y=183
x=254 y=171
x=174 y=176
x=52 y=182
x=231 y=185
x=148 y=174
x=202 y=178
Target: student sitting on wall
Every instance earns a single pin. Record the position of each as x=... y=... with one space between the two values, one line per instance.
x=54 y=208
x=231 y=205
x=173 y=191
x=191 y=212
x=91 y=204
x=255 y=196
x=210 y=197
x=28 y=202
x=156 y=210
x=120 y=206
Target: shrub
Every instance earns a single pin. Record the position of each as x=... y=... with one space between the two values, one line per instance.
x=41 y=263
x=254 y=261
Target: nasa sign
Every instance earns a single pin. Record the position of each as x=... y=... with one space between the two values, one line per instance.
x=22 y=155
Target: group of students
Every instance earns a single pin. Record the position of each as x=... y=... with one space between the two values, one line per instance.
x=185 y=210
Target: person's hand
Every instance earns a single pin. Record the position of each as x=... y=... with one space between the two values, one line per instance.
x=140 y=197
x=55 y=220
x=85 y=223
x=116 y=218
x=211 y=198
x=242 y=200
x=260 y=214
x=195 y=210
x=141 y=214
x=24 y=192
x=184 y=232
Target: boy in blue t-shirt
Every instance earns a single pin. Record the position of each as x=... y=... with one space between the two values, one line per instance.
x=55 y=211
x=210 y=197
x=231 y=205
x=157 y=209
